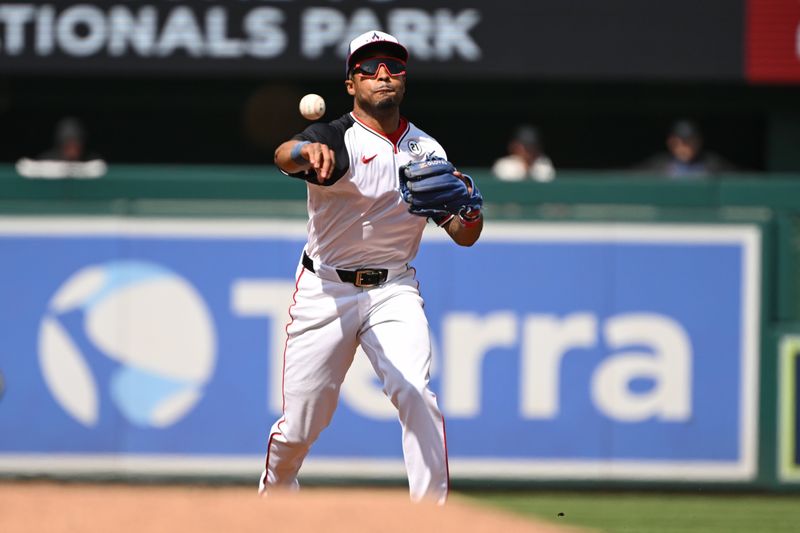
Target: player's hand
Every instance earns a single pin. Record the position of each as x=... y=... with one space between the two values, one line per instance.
x=460 y=176
x=322 y=159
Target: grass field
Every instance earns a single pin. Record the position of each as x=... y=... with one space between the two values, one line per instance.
x=656 y=513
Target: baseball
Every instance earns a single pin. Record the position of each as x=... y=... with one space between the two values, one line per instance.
x=312 y=106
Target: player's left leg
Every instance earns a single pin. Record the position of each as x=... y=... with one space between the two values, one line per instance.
x=396 y=340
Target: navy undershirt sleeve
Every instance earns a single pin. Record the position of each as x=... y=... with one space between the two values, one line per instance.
x=331 y=134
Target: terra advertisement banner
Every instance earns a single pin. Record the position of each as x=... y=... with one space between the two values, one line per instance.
x=567 y=351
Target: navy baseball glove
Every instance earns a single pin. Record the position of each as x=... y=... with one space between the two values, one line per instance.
x=432 y=190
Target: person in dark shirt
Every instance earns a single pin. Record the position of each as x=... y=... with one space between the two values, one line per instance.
x=69 y=143
x=685 y=157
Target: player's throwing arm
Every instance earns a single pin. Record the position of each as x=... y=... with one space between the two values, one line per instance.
x=298 y=156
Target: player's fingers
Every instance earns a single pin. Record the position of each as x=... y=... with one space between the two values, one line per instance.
x=322 y=171
x=316 y=161
x=328 y=161
x=323 y=168
x=460 y=175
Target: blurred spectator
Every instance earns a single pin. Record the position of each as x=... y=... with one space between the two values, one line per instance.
x=68 y=158
x=69 y=143
x=525 y=159
x=685 y=157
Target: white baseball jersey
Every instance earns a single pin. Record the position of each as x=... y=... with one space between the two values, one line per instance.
x=357 y=218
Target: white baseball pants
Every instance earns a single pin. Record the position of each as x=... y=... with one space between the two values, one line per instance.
x=329 y=319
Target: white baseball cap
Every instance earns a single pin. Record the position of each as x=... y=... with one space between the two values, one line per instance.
x=374 y=39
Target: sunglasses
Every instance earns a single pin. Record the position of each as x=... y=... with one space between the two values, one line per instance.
x=369 y=67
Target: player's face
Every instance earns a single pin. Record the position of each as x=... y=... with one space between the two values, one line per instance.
x=378 y=83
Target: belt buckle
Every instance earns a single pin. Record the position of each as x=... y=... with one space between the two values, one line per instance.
x=368 y=278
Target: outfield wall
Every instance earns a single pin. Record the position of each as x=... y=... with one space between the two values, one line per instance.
x=605 y=328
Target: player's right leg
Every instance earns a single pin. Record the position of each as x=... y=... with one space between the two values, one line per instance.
x=321 y=342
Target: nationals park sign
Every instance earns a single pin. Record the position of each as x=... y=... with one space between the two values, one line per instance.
x=625 y=39
x=561 y=351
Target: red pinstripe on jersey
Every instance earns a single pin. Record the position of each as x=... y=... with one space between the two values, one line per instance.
x=446 y=459
x=283 y=374
x=444 y=430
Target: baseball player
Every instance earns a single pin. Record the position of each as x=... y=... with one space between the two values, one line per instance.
x=373 y=180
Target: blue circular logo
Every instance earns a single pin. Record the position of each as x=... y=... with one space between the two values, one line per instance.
x=147 y=326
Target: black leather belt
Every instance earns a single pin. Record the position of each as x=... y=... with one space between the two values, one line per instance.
x=365 y=277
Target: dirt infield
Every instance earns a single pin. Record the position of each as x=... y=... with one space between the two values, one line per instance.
x=39 y=507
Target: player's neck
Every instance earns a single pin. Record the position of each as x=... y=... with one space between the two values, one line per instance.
x=385 y=121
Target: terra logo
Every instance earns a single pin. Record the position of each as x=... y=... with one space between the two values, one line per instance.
x=132 y=333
